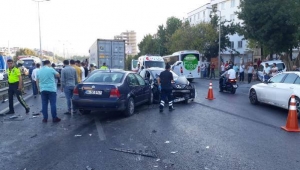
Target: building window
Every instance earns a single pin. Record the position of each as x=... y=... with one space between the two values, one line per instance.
x=232 y=44
x=223 y=5
x=240 y=44
x=232 y=17
x=232 y=3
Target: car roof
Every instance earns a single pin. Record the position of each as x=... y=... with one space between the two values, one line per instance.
x=155 y=68
x=289 y=72
x=109 y=70
x=272 y=61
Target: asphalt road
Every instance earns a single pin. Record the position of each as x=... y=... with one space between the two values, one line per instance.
x=222 y=134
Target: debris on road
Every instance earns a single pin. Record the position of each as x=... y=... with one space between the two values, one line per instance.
x=36 y=114
x=90 y=134
x=146 y=153
x=173 y=152
x=88 y=168
x=155 y=166
x=167 y=141
x=197 y=151
x=78 y=135
x=207 y=147
x=34 y=136
x=13 y=117
x=157 y=160
x=154 y=131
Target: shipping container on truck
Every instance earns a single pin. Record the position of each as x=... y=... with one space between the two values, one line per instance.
x=111 y=52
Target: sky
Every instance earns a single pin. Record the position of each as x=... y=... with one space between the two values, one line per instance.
x=74 y=25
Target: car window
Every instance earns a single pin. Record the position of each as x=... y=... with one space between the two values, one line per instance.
x=297 y=81
x=277 y=79
x=100 y=77
x=140 y=80
x=290 y=78
x=131 y=80
x=280 y=66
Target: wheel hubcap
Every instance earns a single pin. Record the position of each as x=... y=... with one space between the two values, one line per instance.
x=253 y=96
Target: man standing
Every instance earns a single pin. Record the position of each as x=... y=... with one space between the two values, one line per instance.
x=68 y=82
x=86 y=70
x=295 y=68
x=267 y=72
x=78 y=70
x=212 y=68
x=33 y=84
x=103 y=67
x=165 y=81
x=78 y=64
x=15 y=85
x=47 y=86
x=250 y=72
x=242 y=74
x=34 y=77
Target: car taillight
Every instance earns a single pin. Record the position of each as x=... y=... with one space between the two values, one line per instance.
x=75 y=91
x=114 y=93
x=181 y=71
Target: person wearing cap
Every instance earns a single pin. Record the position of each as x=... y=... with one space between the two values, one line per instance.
x=15 y=86
x=103 y=67
x=165 y=81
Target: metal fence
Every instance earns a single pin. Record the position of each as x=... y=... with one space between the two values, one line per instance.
x=4 y=87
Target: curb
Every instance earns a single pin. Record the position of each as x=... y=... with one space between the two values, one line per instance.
x=3 y=111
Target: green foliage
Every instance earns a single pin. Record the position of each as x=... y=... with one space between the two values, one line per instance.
x=272 y=23
x=148 y=45
x=25 y=51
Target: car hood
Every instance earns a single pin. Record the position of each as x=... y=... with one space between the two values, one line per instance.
x=181 y=80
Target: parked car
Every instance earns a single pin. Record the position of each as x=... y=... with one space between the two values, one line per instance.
x=277 y=90
x=112 y=90
x=260 y=71
x=183 y=90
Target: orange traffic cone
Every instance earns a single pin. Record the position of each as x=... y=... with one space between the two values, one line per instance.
x=210 y=95
x=292 y=120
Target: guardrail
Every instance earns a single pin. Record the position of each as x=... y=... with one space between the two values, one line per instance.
x=4 y=87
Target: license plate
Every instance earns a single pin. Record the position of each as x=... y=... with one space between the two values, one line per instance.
x=189 y=75
x=235 y=86
x=93 y=92
x=178 y=100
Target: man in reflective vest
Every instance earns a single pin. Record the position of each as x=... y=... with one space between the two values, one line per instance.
x=103 y=67
x=15 y=86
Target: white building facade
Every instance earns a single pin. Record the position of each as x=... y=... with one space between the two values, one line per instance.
x=227 y=9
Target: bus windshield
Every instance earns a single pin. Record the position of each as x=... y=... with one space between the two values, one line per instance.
x=159 y=64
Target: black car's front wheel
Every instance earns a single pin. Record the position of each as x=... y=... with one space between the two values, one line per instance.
x=129 y=111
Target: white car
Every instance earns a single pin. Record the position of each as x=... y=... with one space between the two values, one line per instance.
x=277 y=90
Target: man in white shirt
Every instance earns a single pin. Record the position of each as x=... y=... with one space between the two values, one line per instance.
x=242 y=74
x=267 y=70
x=229 y=74
x=34 y=77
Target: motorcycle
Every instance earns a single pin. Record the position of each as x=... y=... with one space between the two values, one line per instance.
x=230 y=85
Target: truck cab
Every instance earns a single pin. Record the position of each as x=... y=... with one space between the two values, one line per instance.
x=149 y=61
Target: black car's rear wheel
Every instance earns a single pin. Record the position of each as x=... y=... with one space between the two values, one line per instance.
x=129 y=108
x=85 y=112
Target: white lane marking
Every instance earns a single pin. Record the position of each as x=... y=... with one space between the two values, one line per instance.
x=3 y=111
x=100 y=131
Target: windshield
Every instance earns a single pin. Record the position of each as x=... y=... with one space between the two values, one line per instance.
x=100 y=77
x=159 y=64
x=156 y=74
x=28 y=63
x=134 y=63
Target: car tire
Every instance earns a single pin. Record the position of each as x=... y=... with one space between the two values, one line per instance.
x=129 y=111
x=150 y=100
x=253 y=97
x=85 y=112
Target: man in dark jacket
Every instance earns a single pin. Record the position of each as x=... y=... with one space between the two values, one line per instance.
x=165 y=81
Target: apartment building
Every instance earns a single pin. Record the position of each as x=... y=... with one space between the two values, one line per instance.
x=227 y=9
x=130 y=41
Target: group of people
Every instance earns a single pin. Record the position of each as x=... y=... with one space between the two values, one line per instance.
x=44 y=83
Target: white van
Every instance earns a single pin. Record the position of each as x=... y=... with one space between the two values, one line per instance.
x=260 y=71
x=148 y=61
x=29 y=60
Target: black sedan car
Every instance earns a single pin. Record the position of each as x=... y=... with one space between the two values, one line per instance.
x=183 y=90
x=112 y=90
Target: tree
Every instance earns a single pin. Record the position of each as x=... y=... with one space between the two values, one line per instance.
x=24 y=51
x=148 y=45
x=272 y=23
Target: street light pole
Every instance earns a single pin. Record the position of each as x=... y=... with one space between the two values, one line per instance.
x=40 y=35
x=219 y=53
